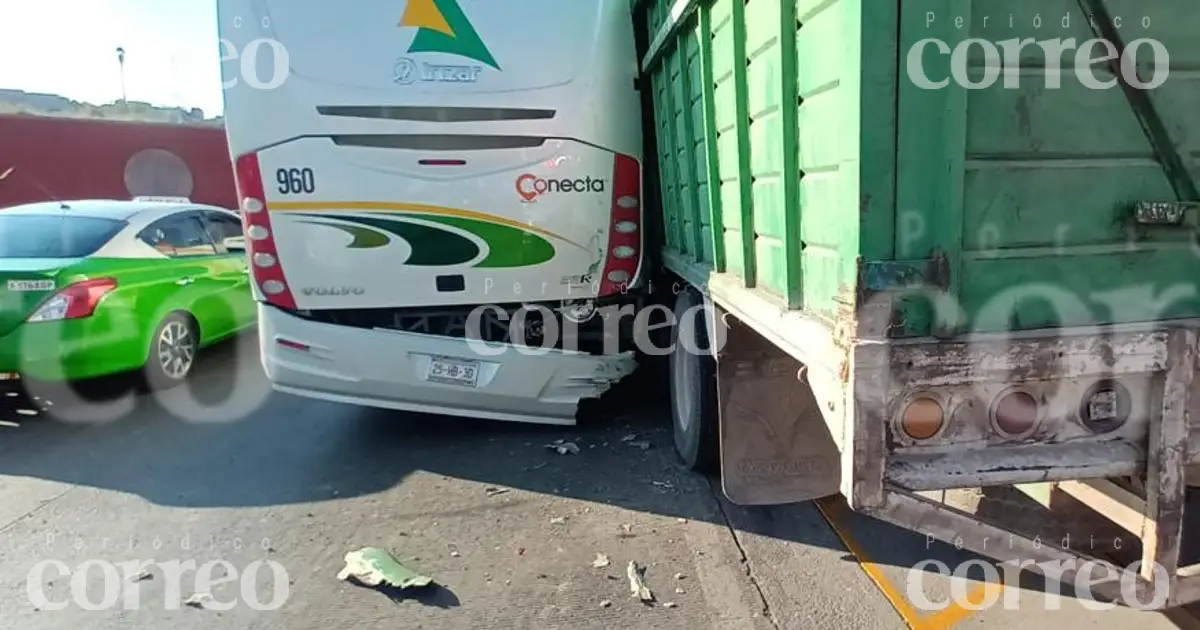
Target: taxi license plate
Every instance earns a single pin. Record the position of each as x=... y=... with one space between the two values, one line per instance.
x=453 y=372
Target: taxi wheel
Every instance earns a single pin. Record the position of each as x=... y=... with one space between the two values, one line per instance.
x=173 y=350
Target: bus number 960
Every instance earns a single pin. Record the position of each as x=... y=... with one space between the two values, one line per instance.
x=294 y=181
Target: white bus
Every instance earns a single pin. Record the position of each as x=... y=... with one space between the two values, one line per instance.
x=401 y=164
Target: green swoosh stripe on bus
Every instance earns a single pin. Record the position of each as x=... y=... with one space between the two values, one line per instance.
x=431 y=246
x=364 y=238
x=507 y=246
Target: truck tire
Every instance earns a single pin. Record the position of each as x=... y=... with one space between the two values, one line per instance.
x=693 y=380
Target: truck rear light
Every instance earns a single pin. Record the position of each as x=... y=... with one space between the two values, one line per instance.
x=1015 y=414
x=1105 y=407
x=624 y=239
x=76 y=301
x=257 y=217
x=922 y=418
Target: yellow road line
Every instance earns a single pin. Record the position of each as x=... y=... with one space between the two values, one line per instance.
x=832 y=510
x=417 y=208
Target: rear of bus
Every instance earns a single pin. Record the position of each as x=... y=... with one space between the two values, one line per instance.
x=403 y=165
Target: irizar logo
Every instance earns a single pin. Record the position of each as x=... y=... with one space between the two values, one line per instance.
x=442 y=27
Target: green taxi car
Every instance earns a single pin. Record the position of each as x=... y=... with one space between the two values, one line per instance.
x=96 y=288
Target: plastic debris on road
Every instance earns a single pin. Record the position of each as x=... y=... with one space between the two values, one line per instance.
x=637 y=586
x=372 y=566
x=197 y=600
x=563 y=448
x=601 y=561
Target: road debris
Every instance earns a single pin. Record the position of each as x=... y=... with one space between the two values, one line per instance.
x=197 y=600
x=642 y=444
x=141 y=576
x=491 y=492
x=666 y=485
x=679 y=591
x=563 y=447
x=637 y=586
x=558 y=520
x=629 y=438
x=680 y=576
x=626 y=531
x=601 y=561
x=668 y=604
x=604 y=603
x=372 y=566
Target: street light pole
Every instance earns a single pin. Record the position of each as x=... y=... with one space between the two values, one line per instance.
x=121 y=62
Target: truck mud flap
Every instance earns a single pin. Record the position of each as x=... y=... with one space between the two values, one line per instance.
x=775 y=446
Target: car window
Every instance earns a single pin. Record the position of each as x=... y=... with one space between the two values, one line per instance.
x=54 y=236
x=222 y=226
x=179 y=237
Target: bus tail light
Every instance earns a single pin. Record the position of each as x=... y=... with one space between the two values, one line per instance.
x=264 y=256
x=624 y=255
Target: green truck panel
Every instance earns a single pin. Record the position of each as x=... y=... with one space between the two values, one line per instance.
x=797 y=154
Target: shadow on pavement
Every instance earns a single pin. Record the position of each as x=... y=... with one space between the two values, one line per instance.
x=272 y=450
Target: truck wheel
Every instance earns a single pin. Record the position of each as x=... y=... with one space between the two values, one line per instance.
x=693 y=377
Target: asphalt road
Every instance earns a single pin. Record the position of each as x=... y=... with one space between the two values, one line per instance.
x=279 y=489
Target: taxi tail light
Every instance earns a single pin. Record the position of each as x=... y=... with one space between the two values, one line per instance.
x=624 y=255
x=75 y=301
x=260 y=239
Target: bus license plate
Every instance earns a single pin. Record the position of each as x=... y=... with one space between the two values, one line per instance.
x=452 y=372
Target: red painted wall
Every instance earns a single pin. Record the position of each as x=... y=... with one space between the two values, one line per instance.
x=68 y=158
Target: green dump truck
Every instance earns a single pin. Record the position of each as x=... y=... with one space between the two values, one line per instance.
x=945 y=254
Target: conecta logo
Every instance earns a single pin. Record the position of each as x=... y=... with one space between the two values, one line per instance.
x=530 y=186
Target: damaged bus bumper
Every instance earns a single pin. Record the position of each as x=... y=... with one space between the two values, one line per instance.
x=430 y=373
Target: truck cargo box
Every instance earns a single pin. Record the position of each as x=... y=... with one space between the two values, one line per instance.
x=946 y=252
x=821 y=150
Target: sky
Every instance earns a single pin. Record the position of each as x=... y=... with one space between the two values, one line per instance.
x=68 y=47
